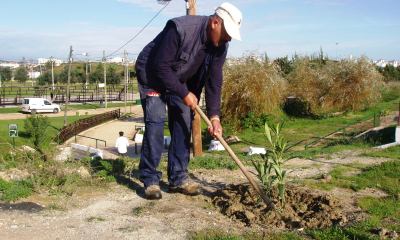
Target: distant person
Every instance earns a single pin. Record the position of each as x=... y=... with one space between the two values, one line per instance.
x=122 y=144
x=172 y=70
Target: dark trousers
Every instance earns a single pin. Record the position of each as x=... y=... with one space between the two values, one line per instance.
x=180 y=124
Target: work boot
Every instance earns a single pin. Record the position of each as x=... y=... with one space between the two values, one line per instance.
x=188 y=187
x=152 y=192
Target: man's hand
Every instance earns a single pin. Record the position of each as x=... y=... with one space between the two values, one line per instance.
x=190 y=100
x=216 y=128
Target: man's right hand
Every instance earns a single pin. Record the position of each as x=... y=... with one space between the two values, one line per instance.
x=190 y=100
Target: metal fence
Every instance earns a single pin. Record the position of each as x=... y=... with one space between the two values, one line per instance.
x=81 y=125
x=13 y=95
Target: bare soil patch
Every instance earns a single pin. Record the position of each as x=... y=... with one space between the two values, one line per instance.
x=304 y=208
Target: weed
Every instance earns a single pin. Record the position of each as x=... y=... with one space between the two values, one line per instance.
x=11 y=191
x=137 y=211
x=95 y=219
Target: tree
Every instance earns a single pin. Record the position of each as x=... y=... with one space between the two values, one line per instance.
x=44 y=79
x=36 y=127
x=285 y=64
x=112 y=76
x=21 y=74
x=98 y=75
x=5 y=73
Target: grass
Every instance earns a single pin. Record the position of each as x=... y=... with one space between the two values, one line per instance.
x=13 y=190
x=9 y=110
x=218 y=234
x=385 y=177
x=392 y=152
x=55 y=124
x=383 y=212
x=213 y=161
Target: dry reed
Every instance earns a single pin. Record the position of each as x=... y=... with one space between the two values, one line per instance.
x=251 y=86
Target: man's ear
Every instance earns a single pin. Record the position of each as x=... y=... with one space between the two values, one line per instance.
x=214 y=22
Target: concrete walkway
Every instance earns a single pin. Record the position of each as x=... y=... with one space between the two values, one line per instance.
x=109 y=133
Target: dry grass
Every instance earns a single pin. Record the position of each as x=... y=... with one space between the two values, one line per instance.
x=336 y=86
x=251 y=87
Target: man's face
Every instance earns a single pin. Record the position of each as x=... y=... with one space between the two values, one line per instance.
x=218 y=35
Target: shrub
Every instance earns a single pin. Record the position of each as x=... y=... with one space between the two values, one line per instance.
x=251 y=86
x=36 y=127
x=335 y=86
x=356 y=85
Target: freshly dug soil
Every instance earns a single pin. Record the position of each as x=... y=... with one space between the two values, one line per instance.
x=304 y=208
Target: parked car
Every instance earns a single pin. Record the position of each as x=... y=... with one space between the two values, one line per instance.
x=39 y=105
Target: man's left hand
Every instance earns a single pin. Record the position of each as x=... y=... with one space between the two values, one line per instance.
x=216 y=128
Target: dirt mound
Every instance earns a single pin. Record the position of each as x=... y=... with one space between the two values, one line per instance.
x=304 y=208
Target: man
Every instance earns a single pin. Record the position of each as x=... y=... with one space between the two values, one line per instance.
x=172 y=70
x=122 y=144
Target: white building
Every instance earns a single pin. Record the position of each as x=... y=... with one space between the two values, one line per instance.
x=9 y=64
x=33 y=75
x=42 y=61
x=116 y=60
x=383 y=63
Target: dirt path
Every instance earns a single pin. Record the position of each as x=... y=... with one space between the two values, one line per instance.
x=118 y=212
x=121 y=211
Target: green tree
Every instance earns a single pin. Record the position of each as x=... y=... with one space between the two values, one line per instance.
x=285 y=64
x=44 y=79
x=36 y=126
x=21 y=74
x=112 y=76
x=5 y=73
x=97 y=76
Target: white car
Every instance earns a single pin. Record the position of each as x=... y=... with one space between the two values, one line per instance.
x=39 y=105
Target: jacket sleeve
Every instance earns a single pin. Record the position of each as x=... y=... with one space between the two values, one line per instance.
x=164 y=59
x=213 y=84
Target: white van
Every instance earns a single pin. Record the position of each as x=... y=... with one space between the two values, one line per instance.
x=40 y=105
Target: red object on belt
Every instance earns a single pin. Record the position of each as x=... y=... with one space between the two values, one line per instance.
x=153 y=94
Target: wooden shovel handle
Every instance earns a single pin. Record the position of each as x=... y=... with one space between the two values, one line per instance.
x=238 y=162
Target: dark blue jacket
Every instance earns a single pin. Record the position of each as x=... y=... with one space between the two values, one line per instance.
x=181 y=59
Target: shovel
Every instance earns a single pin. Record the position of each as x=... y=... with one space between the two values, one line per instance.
x=262 y=194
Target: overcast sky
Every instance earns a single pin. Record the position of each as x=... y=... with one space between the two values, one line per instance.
x=44 y=28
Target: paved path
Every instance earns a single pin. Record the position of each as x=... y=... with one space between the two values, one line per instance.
x=109 y=132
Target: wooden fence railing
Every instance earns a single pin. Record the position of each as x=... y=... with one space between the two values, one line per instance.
x=81 y=125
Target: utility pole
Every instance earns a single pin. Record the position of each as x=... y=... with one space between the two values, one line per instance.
x=86 y=72
x=0 y=80
x=126 y=78
x=196 y=125
x=105 y=78
x=68 y=82
x=52 y=72
x=190 y=7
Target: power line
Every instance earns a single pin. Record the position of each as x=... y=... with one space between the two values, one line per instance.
x=140 y=31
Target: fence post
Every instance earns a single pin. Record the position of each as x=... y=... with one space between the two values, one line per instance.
x=398 y=117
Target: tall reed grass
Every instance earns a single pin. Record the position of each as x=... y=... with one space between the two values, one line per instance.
x=346 y=85
x=251 y=86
